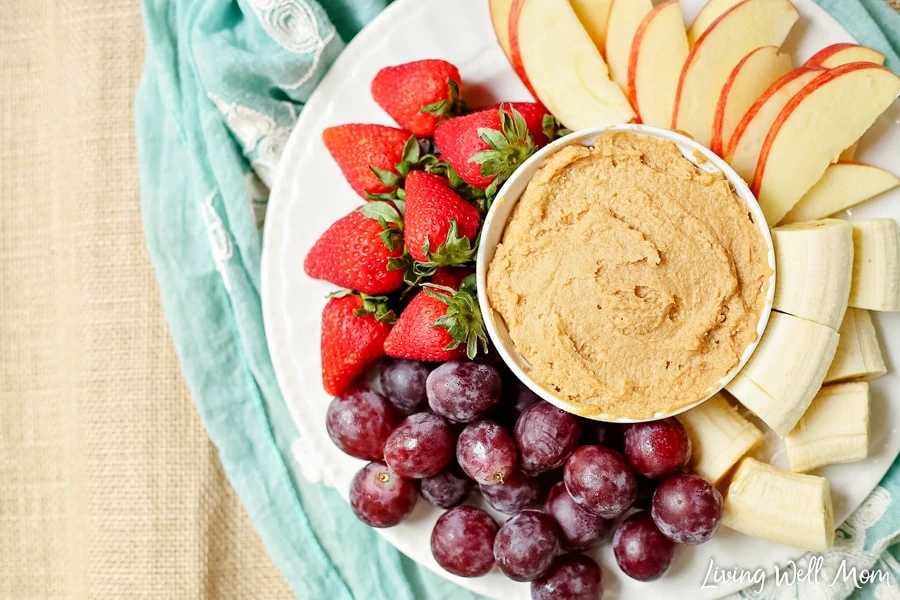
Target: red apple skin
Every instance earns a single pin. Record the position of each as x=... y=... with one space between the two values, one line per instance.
x=819 y=58
x=633 y=55
x=516 y=58
x=745 y=120
x=826 y=77
x=499 y=10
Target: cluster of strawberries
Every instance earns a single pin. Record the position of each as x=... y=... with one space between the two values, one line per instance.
x=409 y=250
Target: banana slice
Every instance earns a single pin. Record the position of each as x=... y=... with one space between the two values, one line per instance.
x=876 y=265
x=834 y=430
x=858 y=355
x=786 y=370
x=814 y=262
x=720 y=436
x=789 y=508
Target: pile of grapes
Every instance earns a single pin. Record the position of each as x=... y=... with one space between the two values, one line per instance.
x=440 y=431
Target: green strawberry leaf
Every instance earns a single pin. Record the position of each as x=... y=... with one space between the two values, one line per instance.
x=553 y=129
x=376 y=306
x=439 y=109
x=389 y=218
x=463 y=320
x=388 y=178
x=456 y=250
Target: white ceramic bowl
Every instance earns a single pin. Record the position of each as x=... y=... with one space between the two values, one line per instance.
x=508 y=195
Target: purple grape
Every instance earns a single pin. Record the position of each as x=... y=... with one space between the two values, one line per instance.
x=641 y=550
x=687 y=509
x=360 y=421
x=403 y=382
x=517 y=492
x=486 y=452
x=421 y=446
x=601 y=481
x=546 y=436
x=526 y=545
x=657 y=449
x=463 y=391
x=579 y=529
x=600 y=433
x=446 y=489
x=570 y=577
x=462 y=541
x=380 y=498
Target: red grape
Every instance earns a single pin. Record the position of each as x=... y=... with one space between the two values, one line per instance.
x=360 y=421
x=641 y=550
x=403 y=382
x=687 y=509
x=658 y=448
x=381 y=498
x=579 y=529
x=462 y=541
x=463 y=391
x=526 y=545
x=546 y=436
x=421 y=446
x=517 y=492
x=446 y=489
x=601 y=481
x=570 y=577
x=486 y=452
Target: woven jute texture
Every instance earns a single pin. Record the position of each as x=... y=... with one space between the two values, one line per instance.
x=109 y=487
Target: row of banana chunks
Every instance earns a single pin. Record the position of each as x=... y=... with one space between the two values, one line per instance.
x=806 y=380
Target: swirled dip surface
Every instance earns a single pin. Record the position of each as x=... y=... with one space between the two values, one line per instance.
x=630 y=280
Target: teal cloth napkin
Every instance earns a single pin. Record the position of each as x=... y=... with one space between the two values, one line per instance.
x=222 y=86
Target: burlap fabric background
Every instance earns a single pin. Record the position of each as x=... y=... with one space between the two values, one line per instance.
x=109 y=487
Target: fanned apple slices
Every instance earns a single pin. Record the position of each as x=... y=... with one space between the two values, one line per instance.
x=740 y=30
x=842 y=54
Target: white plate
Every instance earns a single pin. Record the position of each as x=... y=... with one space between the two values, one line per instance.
x=309 y=194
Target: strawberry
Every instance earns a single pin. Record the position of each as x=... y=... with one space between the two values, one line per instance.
x=485 y=147
x=440 y=227
x=367 y=155
x=451 y=277
x=534 y=114
x=361 y=251
x=438 y=324
x=354 y=329
x=420 y=94
x=542 y=125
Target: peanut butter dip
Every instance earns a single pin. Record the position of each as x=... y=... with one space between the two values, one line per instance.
x=629 y=279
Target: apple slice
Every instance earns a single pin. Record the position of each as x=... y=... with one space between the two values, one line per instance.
x=849 y=154
x=843 y=185
x=594 y=15
x=625 y=17
x=834 y=110
x=708 y=15
x=747 y=82
x=836 y=55
x=749 y=25
x=500 y=20
x=515 y=56
x=746 y=143
x=657 y=56
x=565 y=67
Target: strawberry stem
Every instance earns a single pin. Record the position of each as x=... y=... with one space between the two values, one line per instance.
x=463 y=320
